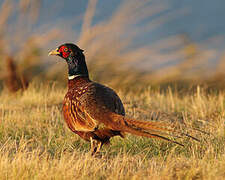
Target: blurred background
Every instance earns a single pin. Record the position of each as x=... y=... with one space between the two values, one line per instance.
x=128 y=44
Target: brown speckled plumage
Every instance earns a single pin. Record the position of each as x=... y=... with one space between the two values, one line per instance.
x=84 y=105
x=94 y=111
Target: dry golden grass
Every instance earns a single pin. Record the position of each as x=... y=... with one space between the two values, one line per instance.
x=35 y=143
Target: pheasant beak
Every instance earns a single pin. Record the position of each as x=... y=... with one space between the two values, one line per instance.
x=54 y=52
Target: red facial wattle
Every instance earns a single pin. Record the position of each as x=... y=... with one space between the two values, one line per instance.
x=64 y=51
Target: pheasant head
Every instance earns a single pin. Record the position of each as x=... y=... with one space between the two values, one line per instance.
x=74 y=57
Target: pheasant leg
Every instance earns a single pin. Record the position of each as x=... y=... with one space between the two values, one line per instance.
x=95 y=146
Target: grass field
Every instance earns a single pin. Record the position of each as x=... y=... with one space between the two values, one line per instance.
x=35 y=143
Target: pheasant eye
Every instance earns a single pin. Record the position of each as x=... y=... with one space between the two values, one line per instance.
x=65 y=49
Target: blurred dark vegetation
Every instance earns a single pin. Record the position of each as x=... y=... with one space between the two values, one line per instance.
x=111 y=57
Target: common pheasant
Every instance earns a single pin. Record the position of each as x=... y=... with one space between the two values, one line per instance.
x=94 y=111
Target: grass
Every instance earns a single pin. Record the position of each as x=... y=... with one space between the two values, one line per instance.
x=35 y=143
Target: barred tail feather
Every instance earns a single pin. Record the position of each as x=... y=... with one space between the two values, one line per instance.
x=148 y=129
x=139 y=132
x=147 y=125
x=156 y=127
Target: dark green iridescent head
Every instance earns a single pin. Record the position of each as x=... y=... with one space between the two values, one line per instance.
x=74 y=57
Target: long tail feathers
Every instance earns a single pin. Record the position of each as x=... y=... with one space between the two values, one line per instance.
x=150 y=135
x=151 y=129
